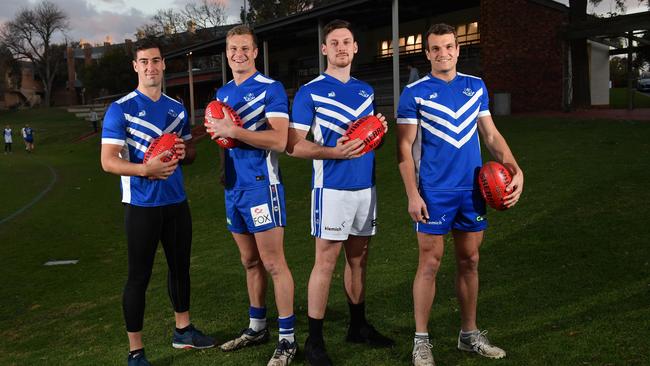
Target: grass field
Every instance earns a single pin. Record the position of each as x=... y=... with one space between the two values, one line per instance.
x=618 y=98
x=565 y=276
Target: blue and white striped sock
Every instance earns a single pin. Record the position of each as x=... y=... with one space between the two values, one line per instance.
x=286 y=325
x=257 y=318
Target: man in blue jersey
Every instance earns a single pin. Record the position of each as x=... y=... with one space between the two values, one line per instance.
x=154 y=198
x=254 y=193
x=28 y=137
x=439 y=157
x=344 y=202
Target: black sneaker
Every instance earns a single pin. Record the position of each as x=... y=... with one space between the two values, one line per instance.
x=192 y=338
x=315 y=353
x=138 y=359
x=369 y=335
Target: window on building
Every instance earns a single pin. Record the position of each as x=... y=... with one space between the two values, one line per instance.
x=468 y=33
x=408 y=44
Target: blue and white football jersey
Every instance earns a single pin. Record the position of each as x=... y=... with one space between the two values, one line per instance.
x=447 y=150
x=327 y=106
x=133 y=122
x=255 y=100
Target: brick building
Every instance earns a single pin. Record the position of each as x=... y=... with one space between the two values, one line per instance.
x=516 y=46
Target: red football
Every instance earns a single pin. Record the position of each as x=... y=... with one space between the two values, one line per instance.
x=214 y=109
x=492 y=180
x=160 y=145
x=368 y=129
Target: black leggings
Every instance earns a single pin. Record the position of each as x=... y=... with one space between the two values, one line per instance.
x=145 y=227
x=7 y=146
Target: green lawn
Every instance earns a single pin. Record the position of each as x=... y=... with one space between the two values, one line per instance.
x=565 y=276
x=618 y=99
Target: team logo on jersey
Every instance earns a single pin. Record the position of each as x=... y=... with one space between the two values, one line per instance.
x=261 y=215
x=469 y=92
x=434 y=95
x=331 y=94
x=248 y=97
x=142 y=113
x=480 y=218
x=364 y=93
x=172 y=113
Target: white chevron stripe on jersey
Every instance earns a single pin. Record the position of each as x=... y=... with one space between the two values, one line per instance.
x=174 y=124
x=456 y=143
x=354 y=112
x=143 y=123
x=126 y=97
x=253 y=114
x=443 y=122
x=257 y=124
x=136 y=145
x=139 y=134
x=329 y=125
x=444 y=109
x=333 y=114
x=243 y=108
x=263 y=79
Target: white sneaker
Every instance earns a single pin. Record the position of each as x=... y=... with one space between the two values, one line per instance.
x=422 y=355
x=247 y=337
x=478 y=342
x=284 y=353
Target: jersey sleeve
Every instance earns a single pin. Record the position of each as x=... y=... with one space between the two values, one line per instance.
x=407 y=109
x=276 y=101
x=302 y=112
x=485 y=102
x=114 y=126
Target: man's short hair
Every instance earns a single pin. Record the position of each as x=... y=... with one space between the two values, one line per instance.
x=146 y=44
x=334 y=25
x=242 y=30
x=439 y=30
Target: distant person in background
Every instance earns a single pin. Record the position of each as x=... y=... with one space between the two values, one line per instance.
x=414 y=74
x=93 y=118
x=28 y=136
x=8 y=139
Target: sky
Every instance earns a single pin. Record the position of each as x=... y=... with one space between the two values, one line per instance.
x=95 y=20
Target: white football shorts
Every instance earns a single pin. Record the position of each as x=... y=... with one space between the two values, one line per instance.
x=335 y=214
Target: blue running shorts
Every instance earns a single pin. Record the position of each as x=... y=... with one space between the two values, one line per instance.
x=460 y=210
x=255 y=210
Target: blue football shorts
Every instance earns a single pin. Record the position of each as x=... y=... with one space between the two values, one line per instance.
x=255 y=210
x=460 y=210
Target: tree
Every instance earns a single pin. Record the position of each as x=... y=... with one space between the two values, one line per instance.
x=204 y=14
x=113 y=73
x=29 y=37
x=9 y=71
x=260 y=11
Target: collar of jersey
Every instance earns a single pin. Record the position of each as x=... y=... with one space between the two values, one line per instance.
x=149 y=100
x=253 y=76
x=440 y=81
x=332 y=78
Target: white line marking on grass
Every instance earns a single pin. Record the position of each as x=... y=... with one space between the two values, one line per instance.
x=60 y=263
x=35 y=199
